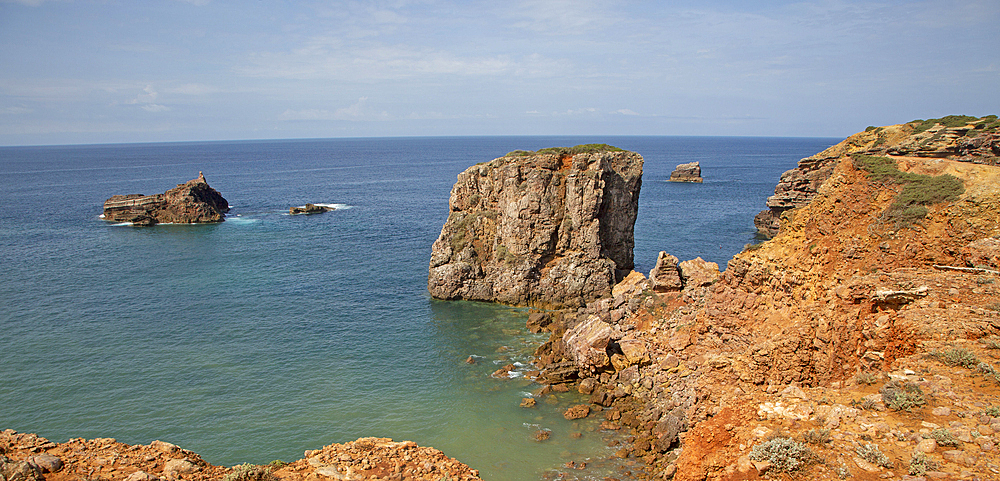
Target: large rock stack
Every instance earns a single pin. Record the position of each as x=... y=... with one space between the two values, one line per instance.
x=192 y=202
x=553 y=228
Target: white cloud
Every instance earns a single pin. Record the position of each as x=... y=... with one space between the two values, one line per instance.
x=359 y=111
x=155 y=108
x=193 y=89
x=626 y=112
x=16 y=110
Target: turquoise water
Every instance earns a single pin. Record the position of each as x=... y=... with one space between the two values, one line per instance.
x=268 y=334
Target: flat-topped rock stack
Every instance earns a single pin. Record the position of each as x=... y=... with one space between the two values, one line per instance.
x=690 y=172
x=549 y=228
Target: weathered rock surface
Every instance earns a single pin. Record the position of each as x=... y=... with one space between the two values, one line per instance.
x=797 y=336
x=966 y=139
x=690 y=172
x=193 y=202
x=666 y=276
x=549 y=229
x=310 y=209
x=28 y=457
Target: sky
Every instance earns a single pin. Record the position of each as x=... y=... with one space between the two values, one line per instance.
x=80 y=72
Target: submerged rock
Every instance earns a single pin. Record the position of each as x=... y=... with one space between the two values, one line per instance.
x=193 y=202
x=542 y=229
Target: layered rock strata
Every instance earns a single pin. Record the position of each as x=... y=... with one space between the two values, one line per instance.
x=690 y=172
x=539 y=229
x=955 y=137
x=193 y=202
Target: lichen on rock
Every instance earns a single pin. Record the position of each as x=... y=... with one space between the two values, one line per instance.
x=542 y=229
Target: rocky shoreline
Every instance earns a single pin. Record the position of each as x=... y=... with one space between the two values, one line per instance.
x=862 y=341
x=840 y=348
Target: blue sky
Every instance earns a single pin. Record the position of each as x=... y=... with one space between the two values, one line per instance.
x=168 y=70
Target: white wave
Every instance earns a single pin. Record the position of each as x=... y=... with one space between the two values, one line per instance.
x=334 y=206
x=101 y=216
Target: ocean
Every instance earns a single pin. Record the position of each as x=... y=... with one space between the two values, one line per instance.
x=268 y=334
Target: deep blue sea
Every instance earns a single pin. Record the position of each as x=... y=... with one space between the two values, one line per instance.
x=269 y=334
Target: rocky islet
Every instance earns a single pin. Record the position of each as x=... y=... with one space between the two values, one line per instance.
x=193 y=202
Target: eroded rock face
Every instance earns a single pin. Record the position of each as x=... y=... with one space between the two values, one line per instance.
x=796 y=188
x=690 y=172
x=541 y=229
x=193 y=202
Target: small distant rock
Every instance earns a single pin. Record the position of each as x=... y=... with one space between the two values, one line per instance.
x=528 y=402
x=542 y=434
x=310 y=209
x=690 y=172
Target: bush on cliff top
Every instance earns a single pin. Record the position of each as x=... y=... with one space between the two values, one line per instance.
x=578 y=149
x=918 y=190
x=947 y=121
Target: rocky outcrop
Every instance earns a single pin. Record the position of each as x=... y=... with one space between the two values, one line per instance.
x=551 y=228
x=955 y=137
x=690 y=172
x=28 y=457
x=790 y=339
x=310 y=209
x=193 y=202
x=795 y=189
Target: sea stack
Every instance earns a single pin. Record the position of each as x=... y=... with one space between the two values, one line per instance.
x=192 y=202
x=690 y=172
x=551 y=228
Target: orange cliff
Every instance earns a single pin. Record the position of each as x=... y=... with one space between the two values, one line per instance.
x=796 y=362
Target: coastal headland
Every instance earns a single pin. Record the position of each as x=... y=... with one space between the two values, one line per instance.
x=860 y=342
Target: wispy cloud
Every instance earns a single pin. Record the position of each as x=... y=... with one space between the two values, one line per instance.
x=147 y=100
x=358 y=111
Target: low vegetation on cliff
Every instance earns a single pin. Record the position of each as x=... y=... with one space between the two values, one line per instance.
x=918 y=190
x=577 y=149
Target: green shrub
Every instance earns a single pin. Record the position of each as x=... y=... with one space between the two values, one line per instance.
x=920 y=464
x=578 y=149
x=992 y=411
x=784 y=454
x=918 y=190
x=250 y=472
x=900 y=396
x=947 y=121
x=945 y=438
x=957 y=357
x=872 y=454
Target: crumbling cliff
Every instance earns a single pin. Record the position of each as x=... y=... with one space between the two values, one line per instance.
x=955 y=137
x=548 y=228
x=192 y=202
x=865 y=334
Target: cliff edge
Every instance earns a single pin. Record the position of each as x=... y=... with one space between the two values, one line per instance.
x=955 y=137
x=192 y=202
x=862 y=341
x=548 y=228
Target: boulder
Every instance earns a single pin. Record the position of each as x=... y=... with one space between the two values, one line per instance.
x=665 y=276
x=699 y=272
x=690 y=172
x=539 y=229
x=193 y=202
x=587 y=343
